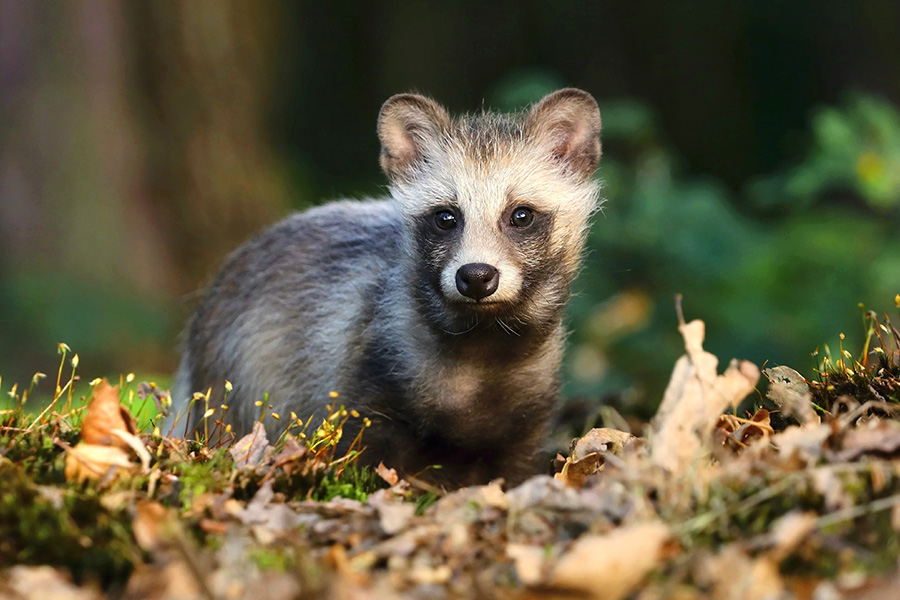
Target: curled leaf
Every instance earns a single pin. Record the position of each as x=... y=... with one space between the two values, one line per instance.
x=104 y=414
x=92 y=461
x=789 y=390
x=695 y=399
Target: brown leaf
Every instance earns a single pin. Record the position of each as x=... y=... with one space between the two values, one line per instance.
x=149 y=526
x=611 y=566
x=43 y=583
x=105 y=414
x=250 y=449
x=601 y=439
x=336 y=558
x=268 y=517
x=574 y=472
x=213 y=526
x=393 y=516
x=876 y=436
x=587 y=454
x=389 y=475
x=805 y=443
x=789 y=390
x=293 y=457
x=107 y=433
x=738 y=433
x=530 y=562
x=174 y=579
x=733 y=575
x=789 y=531
x=694 y=399
x=90 y=461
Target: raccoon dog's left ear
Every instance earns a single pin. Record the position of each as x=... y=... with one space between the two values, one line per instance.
x=567 y=124
x=409 y=126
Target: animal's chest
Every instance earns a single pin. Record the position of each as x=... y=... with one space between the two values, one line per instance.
x=475 y=404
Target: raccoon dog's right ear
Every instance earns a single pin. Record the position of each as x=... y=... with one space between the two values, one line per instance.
x=567 y=124
x=409 y=125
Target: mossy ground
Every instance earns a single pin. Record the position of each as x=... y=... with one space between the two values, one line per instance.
x=91 y=529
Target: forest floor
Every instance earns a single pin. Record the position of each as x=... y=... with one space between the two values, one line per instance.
x=800 y=500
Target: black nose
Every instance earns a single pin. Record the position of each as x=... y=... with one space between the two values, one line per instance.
x=477 y=280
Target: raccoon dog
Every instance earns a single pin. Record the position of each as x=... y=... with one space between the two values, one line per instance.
x=436 y=312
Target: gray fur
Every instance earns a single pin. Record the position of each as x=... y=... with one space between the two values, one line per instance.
x=353 y=296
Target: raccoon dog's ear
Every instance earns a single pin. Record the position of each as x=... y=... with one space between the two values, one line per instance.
x=409 y=126
x=567 y=124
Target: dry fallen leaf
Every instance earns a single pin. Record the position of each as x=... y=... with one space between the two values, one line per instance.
x=42 y=583
x=694 y=399
x=107 y=435
x=601 y=439
x=90 y=461
x=149 y=526
x=789 y=531
x=134 y=442
x=394 y=515
x=587 y=454
x=574 y=472
x=105 y=415
x=336 y=558
x=267 y=516
x=388 y=475
x=611 y=566
x=732 y=574
x=876 y=436
x=737 y=433
x=790 y=391
x=174 y=579
x=291 y=457
x=250 y=449
x=530 y=562
x=805 y=443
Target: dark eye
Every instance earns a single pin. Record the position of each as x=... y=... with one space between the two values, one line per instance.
x=445 y=219
x=521 y=217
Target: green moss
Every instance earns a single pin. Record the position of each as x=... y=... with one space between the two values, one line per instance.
x=200 y=476
x=41 y=459
x=66 y=527
x=872 y=376
x=280 y=560
x=354 y=482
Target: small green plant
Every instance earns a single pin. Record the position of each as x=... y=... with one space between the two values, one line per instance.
x=424 y=501
x=279 y=560
x=354 y=482
x=873 y=375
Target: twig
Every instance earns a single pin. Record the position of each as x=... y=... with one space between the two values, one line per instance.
x=700 y=522
x=678 y=310
x=864 y=408
x=856 y=511
x=424 y=486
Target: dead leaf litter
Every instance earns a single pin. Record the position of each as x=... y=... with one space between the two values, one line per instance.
x=708 y=504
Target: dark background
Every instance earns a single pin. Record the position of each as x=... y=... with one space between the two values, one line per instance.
x=752 y=161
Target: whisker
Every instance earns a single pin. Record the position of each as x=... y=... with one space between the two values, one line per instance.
x=507 y=328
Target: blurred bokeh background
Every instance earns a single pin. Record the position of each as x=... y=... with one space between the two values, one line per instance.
x=752 y=161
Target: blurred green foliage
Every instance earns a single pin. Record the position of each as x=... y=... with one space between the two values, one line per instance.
x=856 y=151
x=773 y=277
x=47 y=308
x=40 y=309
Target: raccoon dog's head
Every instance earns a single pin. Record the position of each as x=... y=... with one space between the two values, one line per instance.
x=496 y=205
